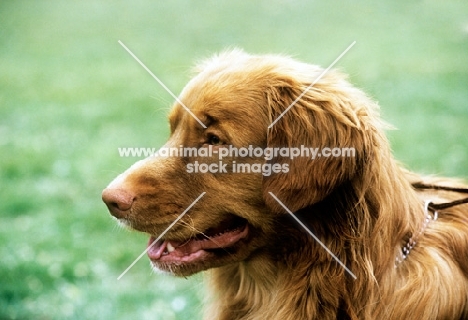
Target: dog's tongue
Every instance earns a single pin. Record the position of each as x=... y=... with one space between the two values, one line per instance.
x=173 y=249
x=155 y=248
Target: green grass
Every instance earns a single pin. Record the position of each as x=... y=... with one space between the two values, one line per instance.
x=70 y=96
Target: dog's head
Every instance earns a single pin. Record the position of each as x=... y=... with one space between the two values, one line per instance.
x=252 y=103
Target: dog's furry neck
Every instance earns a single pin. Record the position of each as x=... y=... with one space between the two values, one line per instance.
x=363 y=230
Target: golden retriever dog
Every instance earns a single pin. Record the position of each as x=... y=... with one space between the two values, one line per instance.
x=388 y=244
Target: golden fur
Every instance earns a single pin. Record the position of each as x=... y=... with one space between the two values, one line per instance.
x=363 y=208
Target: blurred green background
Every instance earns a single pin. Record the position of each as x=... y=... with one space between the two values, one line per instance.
x=70 y=95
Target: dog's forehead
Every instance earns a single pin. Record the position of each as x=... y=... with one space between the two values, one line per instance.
x=227 y=99
x=234 y=87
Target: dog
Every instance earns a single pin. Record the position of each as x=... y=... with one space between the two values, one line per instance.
x=283 y=237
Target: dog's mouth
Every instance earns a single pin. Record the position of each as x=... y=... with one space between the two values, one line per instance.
x=215 y=240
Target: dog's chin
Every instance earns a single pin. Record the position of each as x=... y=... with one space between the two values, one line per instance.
x=221 y=245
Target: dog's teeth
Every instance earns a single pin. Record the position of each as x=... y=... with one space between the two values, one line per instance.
x=169 y=247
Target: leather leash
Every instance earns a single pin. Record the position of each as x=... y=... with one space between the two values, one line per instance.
x=445 y=205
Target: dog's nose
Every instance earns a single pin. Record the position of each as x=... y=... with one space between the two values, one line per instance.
x=119 y=201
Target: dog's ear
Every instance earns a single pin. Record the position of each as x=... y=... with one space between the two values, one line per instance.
x=336 y=120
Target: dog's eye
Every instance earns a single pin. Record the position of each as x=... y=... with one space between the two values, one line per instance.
x=214 y=140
